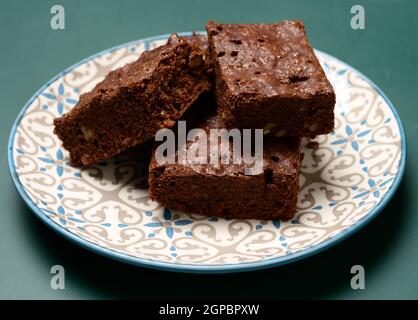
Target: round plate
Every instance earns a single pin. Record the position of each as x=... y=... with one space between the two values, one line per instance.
x=344 y=183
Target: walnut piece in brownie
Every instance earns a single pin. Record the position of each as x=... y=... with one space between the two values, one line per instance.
x=132 y=103
x=267 y=76
x=224 y=190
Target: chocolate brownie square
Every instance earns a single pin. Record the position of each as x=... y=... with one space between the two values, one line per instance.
x=225 y=190
x=267 y=76
x=132 y=103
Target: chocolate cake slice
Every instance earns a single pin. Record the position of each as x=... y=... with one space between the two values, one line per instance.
x=225 y=190
x=132 y=103
x=267 y=76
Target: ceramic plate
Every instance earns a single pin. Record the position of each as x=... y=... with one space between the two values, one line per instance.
x=344 y=183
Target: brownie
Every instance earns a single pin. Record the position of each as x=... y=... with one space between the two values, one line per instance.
x=267 y=76
x=132 y=103
x=224 y=190
x=200 y=40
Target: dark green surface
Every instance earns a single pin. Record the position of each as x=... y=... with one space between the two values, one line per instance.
x=31 y=53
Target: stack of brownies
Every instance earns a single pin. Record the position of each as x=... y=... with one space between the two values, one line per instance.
x=245 y=76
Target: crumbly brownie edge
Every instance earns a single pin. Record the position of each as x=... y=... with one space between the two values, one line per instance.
x=283 y=117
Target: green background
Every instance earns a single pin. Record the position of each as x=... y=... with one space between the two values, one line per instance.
x=31 y=54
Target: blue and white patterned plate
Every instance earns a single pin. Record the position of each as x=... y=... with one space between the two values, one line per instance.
x=344 y=183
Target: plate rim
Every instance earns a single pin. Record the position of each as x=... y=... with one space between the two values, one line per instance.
x=195 y=268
